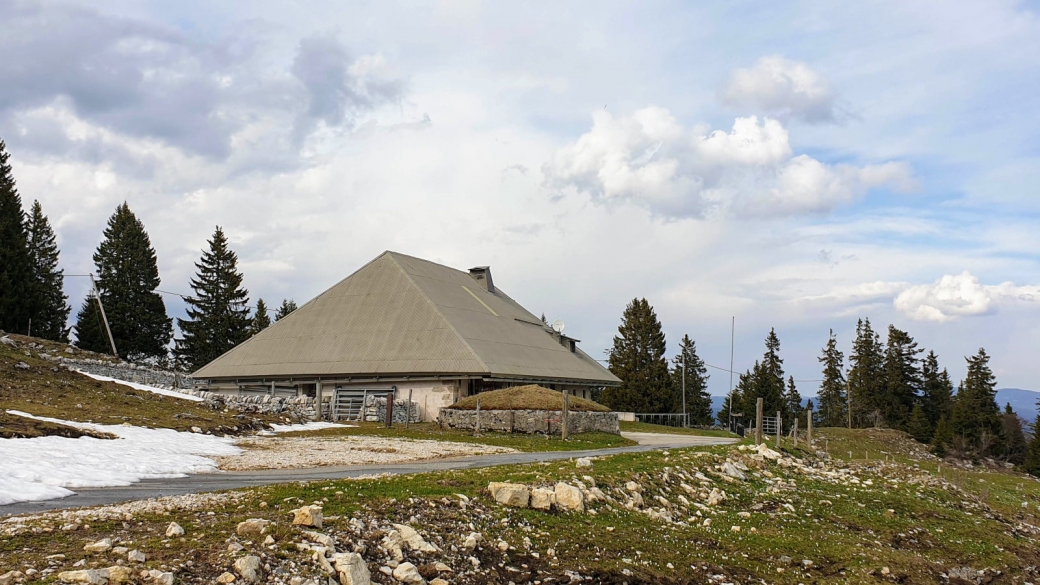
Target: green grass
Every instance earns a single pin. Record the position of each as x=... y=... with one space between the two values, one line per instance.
x=530 y=397
x=640 y=427
x=433 y=432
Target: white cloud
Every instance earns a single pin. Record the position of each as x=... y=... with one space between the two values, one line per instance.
x=650 y=159
x=783 y=88
x=961 y=295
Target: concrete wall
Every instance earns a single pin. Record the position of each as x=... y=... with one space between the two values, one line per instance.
x=530 y=421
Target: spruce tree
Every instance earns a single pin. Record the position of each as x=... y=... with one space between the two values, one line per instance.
x=51 y=310
x=793 y=404
x=1031 y=465
x=766 y=381
x=90 y=331
x=936 y=389
x=698 y=401
x=833 y=405
x=736 y=401
x=16 y=282
x=637 y=357
x=975 y=418
x=866 y=377
x=288 y=306
x=218 y=315
x=261 y=320
x=1015 y=446
x=942 y=438
x=919 y=426
x=127 y=279
x=902 y=379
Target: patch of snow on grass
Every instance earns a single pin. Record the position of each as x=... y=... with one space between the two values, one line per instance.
x=143 y=387
x=311 y=426
x=40 y=468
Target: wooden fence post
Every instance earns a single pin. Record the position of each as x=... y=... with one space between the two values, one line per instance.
x=794 y=432
x=478 y=418
x=566 y=415
x=808 y=435
x=389 y=409
x=758 y=422
x=778 y=430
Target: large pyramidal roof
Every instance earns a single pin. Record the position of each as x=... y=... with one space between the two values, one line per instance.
x=400 y=315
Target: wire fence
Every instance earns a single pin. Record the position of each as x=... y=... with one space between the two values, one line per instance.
x=669 y=419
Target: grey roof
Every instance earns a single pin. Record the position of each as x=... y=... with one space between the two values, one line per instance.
x=400 y=315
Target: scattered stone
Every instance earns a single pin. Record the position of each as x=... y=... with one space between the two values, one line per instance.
x=542 y=499
x=569 y=498
x=102 y=545
x=253 y=527
x=633 y=487
x=249 y=568
x=352 y=569
x=136 y=556
x=173 y=530
x=269 y=540
x=118 y=574
x=510 y=494
x=734 y=528
x=716 y=497
x=471 y=541
x=583 y=462
x=503 y=545
x=226 y=578
x=414 y=540
x=89 y=576
x=442 y=568
x=407 y=573
x=439 y=581
x=322 y=539
x=22 y=366
x=731 y=470
x=165 y=578
x=307 y=516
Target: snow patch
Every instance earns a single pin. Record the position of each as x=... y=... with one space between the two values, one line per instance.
x=41 y=468
x=311 y=426
x=143 y=387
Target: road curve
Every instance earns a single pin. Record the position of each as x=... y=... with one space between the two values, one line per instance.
x=208 y=482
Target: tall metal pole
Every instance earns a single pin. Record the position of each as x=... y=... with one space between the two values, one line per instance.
x=685 y=418
x=732 y=336
x=104 y=319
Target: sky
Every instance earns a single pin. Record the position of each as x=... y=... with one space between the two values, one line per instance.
x=795 y=167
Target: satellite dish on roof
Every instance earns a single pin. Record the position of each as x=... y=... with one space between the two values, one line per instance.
x=558 y=325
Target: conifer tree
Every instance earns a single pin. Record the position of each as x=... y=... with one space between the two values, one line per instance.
x=1031 y=465
x=941 y=438
x=766 y=381
x=936 y=389
x=637 y=357
x=288 y=306
x=218 y=315
x=261 y=320
x=127 y=278
x=833 y=405
x=723 y=415
x=736 y=401
x=51 y=310
x=902 y=379
x=866 y=376
x=975 y=419
x=1015 y=445
x=919 y=426
x=698 y=401
x=793 y=404
x=16 y=290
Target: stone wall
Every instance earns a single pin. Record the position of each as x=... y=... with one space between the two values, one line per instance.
x=375 y=409
x=530 y=421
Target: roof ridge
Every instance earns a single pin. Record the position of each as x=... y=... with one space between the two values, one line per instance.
x=437 y=310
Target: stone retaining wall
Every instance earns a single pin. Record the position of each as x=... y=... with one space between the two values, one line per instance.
x=530 y=421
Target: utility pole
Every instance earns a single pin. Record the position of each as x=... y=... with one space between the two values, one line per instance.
x=732 y=336
x=685 y=418
x=848 y=396
x=101 y=307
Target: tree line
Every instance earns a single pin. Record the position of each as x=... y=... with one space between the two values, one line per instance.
x=126 y=280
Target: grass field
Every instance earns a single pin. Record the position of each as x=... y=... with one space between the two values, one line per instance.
x=431 y=431
x=530 y=397
x=856 y=521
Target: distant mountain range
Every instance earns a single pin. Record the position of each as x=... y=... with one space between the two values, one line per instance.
x=1022 y=401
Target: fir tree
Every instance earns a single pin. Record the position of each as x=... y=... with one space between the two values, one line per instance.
x=16 y=282
x=975 y=419
x=544 y=320
x=51 y=310
x=833 y=405
x=288 y=306
x=936 y=389
x=1031 y=465
x=793 y=404
x=1015 y=446
x=637 y=357
x=919 y=426
x=261 y=320
x=90 y=331
x=723 y=415
x=765 y=381
x=902 y=379
x=941 y=438
x=127 y=276
x=735 y=402
x=698 y=401
x=218 y=315
x=866 y=376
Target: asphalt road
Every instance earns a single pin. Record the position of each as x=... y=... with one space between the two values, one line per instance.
x=208 y=482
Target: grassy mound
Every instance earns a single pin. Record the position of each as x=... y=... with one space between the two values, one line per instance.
x=530 y=397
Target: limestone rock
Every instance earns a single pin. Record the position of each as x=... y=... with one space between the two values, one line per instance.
x=352 y=569
x=118 y=574
x=731 y=470
x=10 y=577
x=439 y=581
x=583 y=462
x=569 y=498
x=102 y=545
x=442 y=568
x=766 y=452
x=89 y=576
x=173 y=530
x=253 y=527
x=322 y=539
x=407 y=573
x=633 y=487
x=226 y=578
x=716 y=497
x=542 y=498
x=510 y=494
x=249 y=568
x=414 y=540
x=162 y=578
x=307 y=516
x=136 y=556
x=471 y=541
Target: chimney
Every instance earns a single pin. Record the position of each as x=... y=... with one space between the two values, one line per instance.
x=482 y=274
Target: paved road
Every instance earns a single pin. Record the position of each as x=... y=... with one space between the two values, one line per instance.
x=208 y=482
